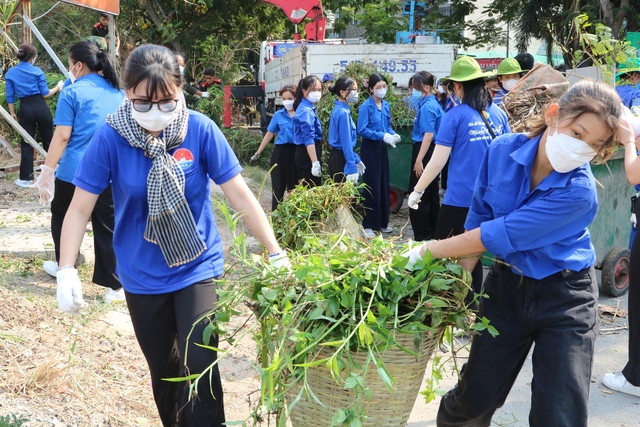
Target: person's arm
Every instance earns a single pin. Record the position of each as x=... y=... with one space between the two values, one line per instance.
x=52 y=92
x=243 y=200
x=58 y=144
x=10 y=91
x=424 y=147
x=386 y=109
x=467 y=244
x=627 y=137
x=74 y=225
x=364 y=128
x=308 y=133
x=344 y=137
x=265 y=141
x=438 y=160
x=12 y=112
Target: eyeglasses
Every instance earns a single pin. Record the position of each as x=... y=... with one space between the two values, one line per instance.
x=164 y=105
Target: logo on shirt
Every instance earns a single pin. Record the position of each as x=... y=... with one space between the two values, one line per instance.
x=184 y=158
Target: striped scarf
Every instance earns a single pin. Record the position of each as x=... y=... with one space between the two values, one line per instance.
x=170 y=223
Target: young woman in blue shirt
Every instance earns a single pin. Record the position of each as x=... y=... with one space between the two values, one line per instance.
x=425 y=128
x=307 y=131
x=533 y=200
x=463 y=137
x=344 y=162
x=27 y=83
x=81 y=110
x=284 y=175
x=374 y=127
x=160 y=158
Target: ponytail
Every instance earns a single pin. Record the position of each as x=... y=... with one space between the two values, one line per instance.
x=305 y=84
x=96 y=60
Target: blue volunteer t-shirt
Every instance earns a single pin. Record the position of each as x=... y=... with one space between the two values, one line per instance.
x=428 y=119
x=629 y=94
x=306 y=124
x=282 y=125
x=204 y=155
x=465 y=132
x=342 y=135
x=538 y=232
x=84 y=105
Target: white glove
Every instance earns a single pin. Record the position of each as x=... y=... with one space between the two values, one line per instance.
x=353 y=178
x=205 y=94
x=70 y=291
x=45 y=185
x=361 y=168
x=397 y=137
x=413 y=254
x=280 y=260
x=389 y=139
x=60 y=84
x=254 y=158
x=414 y=199
x=634 y=121
x=633 y=220
x=316 y=170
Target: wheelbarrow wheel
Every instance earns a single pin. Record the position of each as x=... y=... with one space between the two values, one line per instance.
x=396 y=198
x=615 y=272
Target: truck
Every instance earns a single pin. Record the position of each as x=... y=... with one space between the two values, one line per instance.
x=285 y=63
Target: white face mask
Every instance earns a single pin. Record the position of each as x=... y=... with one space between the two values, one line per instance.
x=380 y=93
x=440 y=89
x=288 y=104
x=314 y=97
x=352 y=98
x=509 y=84
x=181 y=68
x=72 y=76
x=154 y=119
x=566 y=153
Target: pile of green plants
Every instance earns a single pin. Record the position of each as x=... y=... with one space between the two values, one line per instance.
x=340 y=295
x=245 y=143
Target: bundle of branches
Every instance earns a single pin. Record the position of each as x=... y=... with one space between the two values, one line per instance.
x=532 y=94
x=321 y=209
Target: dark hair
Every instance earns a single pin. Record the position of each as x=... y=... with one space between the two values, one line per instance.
x=104 y=15
x=476 y=95
x=209 y=71
x=525 y=60
x=88 y=53
x=155 y=64
x=586 y=96
x=374 y=79
x=26 y=52
x=343 y=83
x=422 y=79
x=289 y=88
x=305 y=84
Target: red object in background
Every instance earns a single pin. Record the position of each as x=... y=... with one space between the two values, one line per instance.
x=109 y=6
x=299 y=10
x=227 y=106
x=486 y=63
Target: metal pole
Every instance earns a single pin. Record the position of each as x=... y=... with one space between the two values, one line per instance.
x=32 y=142
x=112 y=37
x=8 y=39
x=52 y=54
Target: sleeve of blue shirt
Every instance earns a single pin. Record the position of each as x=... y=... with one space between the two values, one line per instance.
x=635 y=101
x=344 y=138
x=547 y=220
x=307 y=127
x=65 y=114
x=363 y=124
x=221 y=162
x=386 y=109
x=480 y=211
x=273 y=125
x=427 y=119
x=42 y=85
x=448 y=129
x=94 y=170
x=10 y=91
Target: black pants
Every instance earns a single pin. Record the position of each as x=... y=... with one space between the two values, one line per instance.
x=303 y=165
x=632 y=370
x=376 y=193
x=336 y=165
x=560 y=316
x=102 y=221
x=444 y=175
x=451 y=223
x=283 y=176
x=162 y=323
x=423 y=219
x=34 y=114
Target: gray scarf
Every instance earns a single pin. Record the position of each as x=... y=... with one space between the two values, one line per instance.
x=170 y=223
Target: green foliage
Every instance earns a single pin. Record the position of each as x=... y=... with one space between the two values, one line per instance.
x=12 y=420
x=341 y=295
x=382 y=20
x=245 y=143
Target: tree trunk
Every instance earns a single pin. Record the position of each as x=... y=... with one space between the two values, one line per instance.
x=619 y=19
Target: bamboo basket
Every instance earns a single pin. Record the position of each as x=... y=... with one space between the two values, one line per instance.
x=387 y=408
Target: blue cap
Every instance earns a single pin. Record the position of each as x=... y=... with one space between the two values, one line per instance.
x=327 y=77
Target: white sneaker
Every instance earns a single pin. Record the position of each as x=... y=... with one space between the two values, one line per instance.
x=51 y=268
x=113 y=296
x=369 y=233
x=387 y=230
x=619 y=383
x=24 y=183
